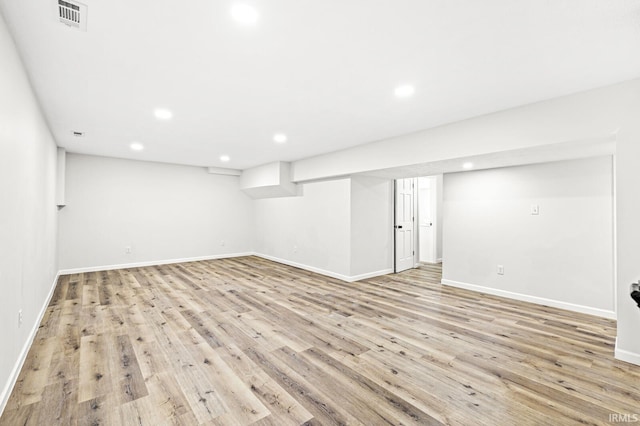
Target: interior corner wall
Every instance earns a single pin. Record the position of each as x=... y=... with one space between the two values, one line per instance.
x=163 y=212
x=371 y=226
x=564 y=254
x=28 y=222
x=311 y=231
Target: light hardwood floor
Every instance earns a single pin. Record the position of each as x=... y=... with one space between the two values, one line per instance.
x=248 y=341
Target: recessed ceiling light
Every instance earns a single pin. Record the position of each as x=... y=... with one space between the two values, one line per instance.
x=467 y=165
x=404 y=91
x=244 y=14
x=280 y=138
x=225 y=158
x=136 y=146
x=163 y=114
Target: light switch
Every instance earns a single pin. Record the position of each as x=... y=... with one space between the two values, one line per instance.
x=535 y=209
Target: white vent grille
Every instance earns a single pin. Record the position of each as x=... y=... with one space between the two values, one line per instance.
x=73 y=14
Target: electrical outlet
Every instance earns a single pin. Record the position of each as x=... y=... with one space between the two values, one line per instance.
x=295 y=249
x=127 y=250
x=222 y=243
x=20 y=318
x=500 y=270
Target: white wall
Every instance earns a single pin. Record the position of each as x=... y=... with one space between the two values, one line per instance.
x=627 y=224
x=564 y=254
x=163 y=212
x=568 y=120
x=341 y=228
x=313 y=230
x=167 y=212
x=27 y=215
x=371 y=226
x=268 y=181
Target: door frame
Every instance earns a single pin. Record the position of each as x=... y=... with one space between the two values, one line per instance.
x=435 y=207
x=415 y=216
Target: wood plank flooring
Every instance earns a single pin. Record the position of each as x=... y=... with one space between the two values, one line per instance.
x=247 y=341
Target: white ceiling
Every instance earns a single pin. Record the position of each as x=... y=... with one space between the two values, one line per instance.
x=323 y=72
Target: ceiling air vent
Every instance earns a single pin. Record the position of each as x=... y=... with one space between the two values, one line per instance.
x=73 y=14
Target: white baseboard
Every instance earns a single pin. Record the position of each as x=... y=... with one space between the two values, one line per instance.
x=630 y=357
x=331 y=274
x=371 y=275
x=151 y=263
x=533 y=299
x=303 y=266
x=13 y=377
x=439 y=260
x=320 y=271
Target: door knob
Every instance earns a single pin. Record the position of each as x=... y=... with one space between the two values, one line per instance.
x=635 y=293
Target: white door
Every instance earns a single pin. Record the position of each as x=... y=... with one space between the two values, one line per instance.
x=426 y=218
x=404 y=224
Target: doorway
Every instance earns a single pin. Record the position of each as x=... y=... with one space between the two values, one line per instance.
x=404 y=224
x=429 y=219
x=417 y=221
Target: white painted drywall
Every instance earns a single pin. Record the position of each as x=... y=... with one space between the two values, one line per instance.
x=371 y=226
x=313 y=231
x=28 y=223
x=268 y=181
x=342 y=228
x=567 y=120
x=163 y=212
x=61 y=174
x=565 y=253
x=627 y=166
x=264 y=175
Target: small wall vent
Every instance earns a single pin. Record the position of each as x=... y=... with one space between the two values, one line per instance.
x=73 y=14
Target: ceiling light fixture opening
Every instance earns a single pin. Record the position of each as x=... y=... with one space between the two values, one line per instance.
x=279 y=138
x=244 y=14
x=225 y=158
x=163 y=114
x=136 y=146
x=404 y=91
